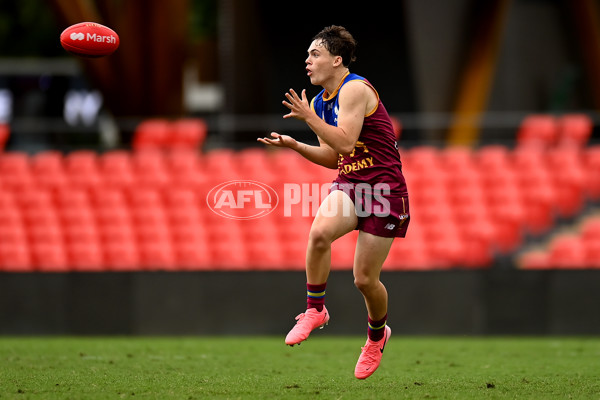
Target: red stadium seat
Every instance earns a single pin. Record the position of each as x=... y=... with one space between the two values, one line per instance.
x=569 y=185
x=422 y=158
x=187 y=133
x=108 y=198
x=592 y=170
x=457 y=158
x=157 y=255
x=566 y=252
x=142 y=197
x=159 y=133
x=539 y=208
x=534 y=259
x=151 y=134
x=591 y=250
x=121 y=255
x=116 y=169
x=590 y=228
x=15 y=257
x=86 y=254
x=508 y=217
x=4 y=135
x=255 y=164
x=184 y=167
x=49 y=257
x=537 y=130
x=72 y=197
x=192 y=255
x=342 y=251
x=150 y=168
x=492 y=158
x=220 y=162
x=14 y=249
x=78 y=225
x=574 y=130
x=230 y=254
x=48 y=169
x=15 y=170
x=82 y=168
x=397 y=126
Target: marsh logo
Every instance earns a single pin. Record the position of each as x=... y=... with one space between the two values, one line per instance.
x=77 y=36
x=242 y=199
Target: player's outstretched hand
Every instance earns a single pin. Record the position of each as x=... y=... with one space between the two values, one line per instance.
x=279 y=140
x=298 y=105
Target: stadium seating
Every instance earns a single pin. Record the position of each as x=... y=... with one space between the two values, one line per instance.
x=4 y=135
x=577 y=249
x=158 y=133
x=147 y=209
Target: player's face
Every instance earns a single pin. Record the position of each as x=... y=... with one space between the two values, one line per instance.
x=319 y=63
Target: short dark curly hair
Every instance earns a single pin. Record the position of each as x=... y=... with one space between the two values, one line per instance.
x=339 y=42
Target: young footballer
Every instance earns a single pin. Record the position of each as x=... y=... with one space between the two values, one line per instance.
x=355 y=136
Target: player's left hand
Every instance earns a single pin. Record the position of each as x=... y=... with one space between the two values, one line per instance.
x=299 y=107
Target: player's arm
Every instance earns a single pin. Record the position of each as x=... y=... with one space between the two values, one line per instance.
x=353 y=102
x=321 y=154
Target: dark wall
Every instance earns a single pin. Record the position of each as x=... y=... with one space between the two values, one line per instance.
x=199 y=303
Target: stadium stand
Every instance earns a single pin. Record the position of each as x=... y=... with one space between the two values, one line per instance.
x=147 y=209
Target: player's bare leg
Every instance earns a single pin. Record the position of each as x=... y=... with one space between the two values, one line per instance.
x=335 y=218
x=371 y=252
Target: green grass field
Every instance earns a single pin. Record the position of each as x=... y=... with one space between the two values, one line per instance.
x=321 y=368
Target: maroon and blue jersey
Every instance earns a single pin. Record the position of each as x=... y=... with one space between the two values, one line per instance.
x=375 y=158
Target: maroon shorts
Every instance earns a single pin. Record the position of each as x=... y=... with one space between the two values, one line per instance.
x=379 y=213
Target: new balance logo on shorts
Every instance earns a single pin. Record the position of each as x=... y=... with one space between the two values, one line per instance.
x=390 y=226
